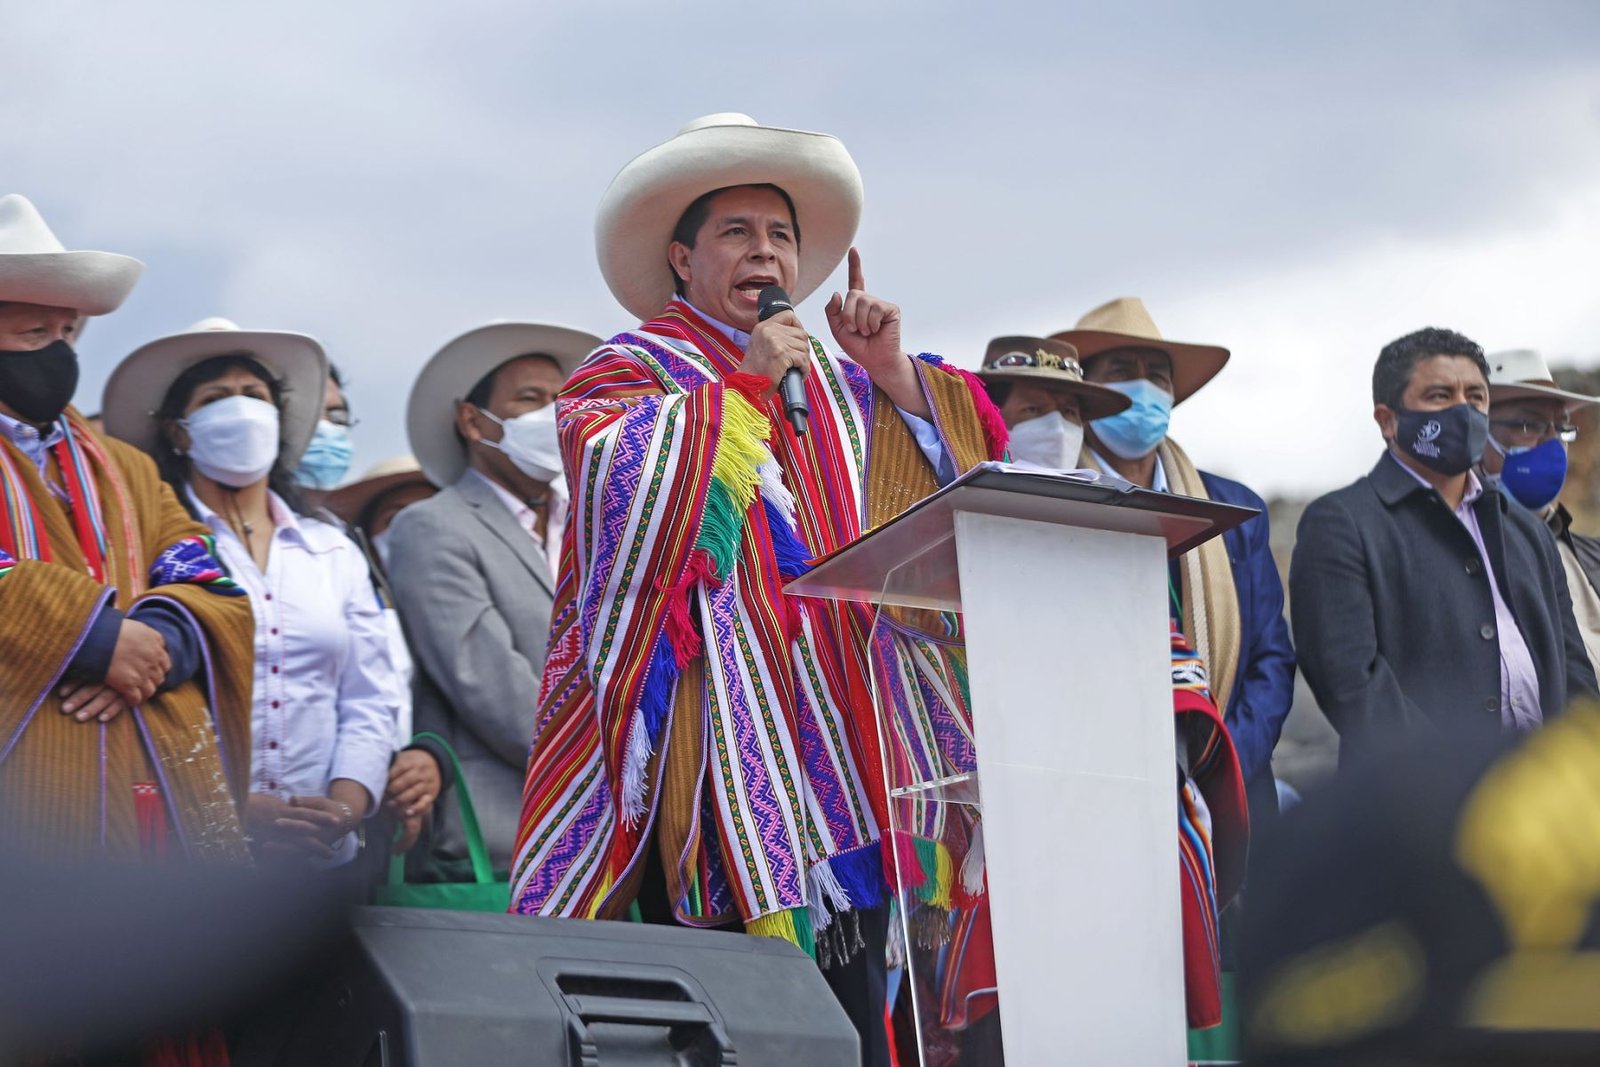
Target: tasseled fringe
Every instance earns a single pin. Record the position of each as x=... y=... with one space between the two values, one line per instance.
x=721 y=527
x=775 y=492
x=791 y=924
x=906 y=872
x=793 y=555
x=995 y=434
x=938 y=872
x=895 y=949
x=859 y=873
x=633 y=768
x=840 y=942
x=930 y=926
x=741 y=449
x=971 y=887
x=644 y=733
x=680 y=627
x=827 y=895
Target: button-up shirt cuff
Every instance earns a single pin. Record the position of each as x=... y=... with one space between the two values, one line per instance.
x=927 y=435
x=366 y=764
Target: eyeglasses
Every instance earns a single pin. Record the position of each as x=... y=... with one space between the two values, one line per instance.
x=1538 y=428
x=1041 y=359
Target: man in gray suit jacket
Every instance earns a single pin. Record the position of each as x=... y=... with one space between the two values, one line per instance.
x=473 y=567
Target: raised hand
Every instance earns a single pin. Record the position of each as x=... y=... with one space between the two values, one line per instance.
x=866 y=327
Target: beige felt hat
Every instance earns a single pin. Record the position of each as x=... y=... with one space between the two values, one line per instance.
x=646 y=199
x=1052 y=364
x=1124 y=323
x=36 y=269
x=1522 y=373
x=350 y=501
x=140 y=382
x=452 y=372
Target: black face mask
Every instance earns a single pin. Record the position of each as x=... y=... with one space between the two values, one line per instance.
x=1447 y=441
x=38 y=385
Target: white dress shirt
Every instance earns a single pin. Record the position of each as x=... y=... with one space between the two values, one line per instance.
x=324 y=688
x=36 y=446
x=555 y=521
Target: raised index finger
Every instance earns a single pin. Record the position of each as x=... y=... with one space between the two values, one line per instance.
x=856 y=279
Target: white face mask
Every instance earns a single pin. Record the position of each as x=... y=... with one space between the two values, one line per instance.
x=1051 y=440
x=233 y=440
x=529 y=441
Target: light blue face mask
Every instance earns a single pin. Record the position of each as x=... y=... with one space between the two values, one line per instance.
x=1137 y=431
x=327 y=457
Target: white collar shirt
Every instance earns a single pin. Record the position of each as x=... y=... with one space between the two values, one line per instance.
x=35 y=445
x=555 y=523
x=323 y=703
x=1158 y=478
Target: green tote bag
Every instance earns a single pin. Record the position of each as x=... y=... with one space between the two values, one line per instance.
x=487 y=891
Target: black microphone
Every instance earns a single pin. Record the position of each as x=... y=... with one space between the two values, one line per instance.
x=774 y=301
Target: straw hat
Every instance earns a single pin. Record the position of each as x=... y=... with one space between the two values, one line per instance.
x=1522 y=373
x=648 y=196
x=350 y=501
x=452 y=372
x=1052 y=364
x=140 y=382
x=36 y=269
x=1124 y=323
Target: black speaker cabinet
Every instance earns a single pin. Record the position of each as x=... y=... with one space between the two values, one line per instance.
x=424 y=988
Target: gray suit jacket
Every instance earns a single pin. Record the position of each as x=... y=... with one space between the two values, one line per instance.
x=474 y=592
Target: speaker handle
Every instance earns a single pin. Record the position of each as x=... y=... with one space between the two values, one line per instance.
x=583 y=1009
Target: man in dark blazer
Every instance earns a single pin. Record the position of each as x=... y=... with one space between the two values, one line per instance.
x=1421 y=603
x=472 y=568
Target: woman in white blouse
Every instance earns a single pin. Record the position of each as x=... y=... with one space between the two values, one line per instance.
x=233 y=410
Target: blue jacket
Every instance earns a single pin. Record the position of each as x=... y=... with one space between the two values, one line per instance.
x=1265 y=686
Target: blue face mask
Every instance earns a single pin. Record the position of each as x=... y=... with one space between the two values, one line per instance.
x=1534 y=476
x=1137 y=431
x=327 y=458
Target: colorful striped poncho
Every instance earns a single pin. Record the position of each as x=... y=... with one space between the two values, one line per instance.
x=181 y=760
x=686 y=700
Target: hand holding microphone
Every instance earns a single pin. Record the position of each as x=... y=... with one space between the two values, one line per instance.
x=780 y=349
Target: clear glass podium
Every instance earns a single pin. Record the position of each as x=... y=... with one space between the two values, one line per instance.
x=1021 y=669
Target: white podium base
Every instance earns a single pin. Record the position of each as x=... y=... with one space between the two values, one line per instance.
x=1079 y=800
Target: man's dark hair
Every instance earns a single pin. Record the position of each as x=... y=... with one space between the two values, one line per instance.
x=694 y=217
x=478 y=396
x=1392 y=373
x=999 y=392
x=174 y=466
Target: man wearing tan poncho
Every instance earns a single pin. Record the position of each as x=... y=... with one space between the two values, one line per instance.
x=125 y=651
x=1226 y=595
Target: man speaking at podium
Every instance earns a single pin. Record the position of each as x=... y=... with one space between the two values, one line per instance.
x=706 y=746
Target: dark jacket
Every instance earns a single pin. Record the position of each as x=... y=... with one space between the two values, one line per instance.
x=1394 y=620
x=1265 y=686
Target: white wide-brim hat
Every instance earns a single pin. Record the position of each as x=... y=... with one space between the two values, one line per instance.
x=1522 y=373
x=646 y=199
x=452 y=372
x=140 y=382
x=35 y=268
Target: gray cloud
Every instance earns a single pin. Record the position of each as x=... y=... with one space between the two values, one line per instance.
x=386 y=175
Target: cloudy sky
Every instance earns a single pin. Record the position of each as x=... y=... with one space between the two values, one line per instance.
x=1299 y=182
